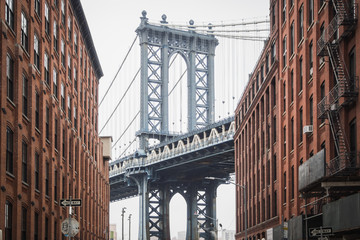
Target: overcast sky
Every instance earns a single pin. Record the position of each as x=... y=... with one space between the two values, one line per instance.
x=113 y=24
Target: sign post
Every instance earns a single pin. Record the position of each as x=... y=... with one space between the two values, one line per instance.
x=70 y=227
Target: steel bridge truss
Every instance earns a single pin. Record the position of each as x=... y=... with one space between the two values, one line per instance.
x=158 y=44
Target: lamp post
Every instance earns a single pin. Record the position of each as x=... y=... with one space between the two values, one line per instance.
x=245 y=203
x=216 y=223
x=122 y=222
x=129 y=226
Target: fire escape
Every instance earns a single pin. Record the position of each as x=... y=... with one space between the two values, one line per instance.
x=345 y=91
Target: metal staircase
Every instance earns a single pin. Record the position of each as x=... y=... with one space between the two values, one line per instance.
x=345 y=90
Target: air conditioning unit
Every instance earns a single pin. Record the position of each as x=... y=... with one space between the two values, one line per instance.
x=311 y=72
x=308 y=129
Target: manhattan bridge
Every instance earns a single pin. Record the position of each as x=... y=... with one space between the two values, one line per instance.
x=171 y=118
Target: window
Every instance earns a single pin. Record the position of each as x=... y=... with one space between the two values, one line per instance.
x=75 y=79
x=275 y=204
x=311 y=11
x=70 y=151
x=69 y=66
x=56 y=133
x=55 y=185
x=353 y=136
x=36 y=52
x=37 y=110
x=47 y=179
x=62 y=96
x=23 y=223
x=25 y=96
x=46 y=69
x=322 y=29
x=8 y=220
x=292 y=182
x=301 y=124
x=69 y=28
x=76 y=42
x=9 y=150
x=283 y=15
x=62 y=12
x=352 y=65
x=75 y=114
x=273 y=9
x=267 y=63
x=274 y=129
x=311 y=59
x=284 y=132
x=284 y=200
x=311 y=113
x=69 y=107
x=37 y=7
x=292 y=133
x=292 y=85
x=55 y=229
x=301 y=74
x=322 y=96
x=301 y=23
x=55 y=36
x=47 y=227
x=10 y=77
x=47 y=19
x=284 y=95
x=37 y=171
x=62 y=52
x=55 y=89
x=63 y=142
x=274 y=177
x=24 y=162
x=47 y=123
x=292 y=39
x=9 y=13
x=273 y=52
x=36 y=226
x=284 y=52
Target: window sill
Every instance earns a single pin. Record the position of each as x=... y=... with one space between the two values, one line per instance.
x=322 y=7
x=300 y=93
x=311 y=25
x=12 y=105
x=322 y=64
x=301 y=42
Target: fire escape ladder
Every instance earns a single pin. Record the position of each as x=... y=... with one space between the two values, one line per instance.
x=338 y=132
x=341 y=10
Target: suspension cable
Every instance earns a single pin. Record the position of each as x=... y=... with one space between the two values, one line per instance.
x=128 y=126
x=127 y=54
x=123 y=96
x=127 y=148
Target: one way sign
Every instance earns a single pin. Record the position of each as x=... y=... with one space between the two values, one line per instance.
x=72 y=202
x=314 y=232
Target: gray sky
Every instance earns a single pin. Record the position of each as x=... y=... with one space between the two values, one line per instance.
x=113 y=24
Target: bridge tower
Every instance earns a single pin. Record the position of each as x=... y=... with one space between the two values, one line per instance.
x=158 y=44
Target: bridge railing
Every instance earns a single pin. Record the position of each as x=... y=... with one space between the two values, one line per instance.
x=177 y=148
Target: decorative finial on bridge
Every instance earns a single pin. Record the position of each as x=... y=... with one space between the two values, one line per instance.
x=210 y=28
x=144 y=19
x=191 y=22
x=163 y=17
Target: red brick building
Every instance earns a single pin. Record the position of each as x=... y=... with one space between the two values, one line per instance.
x=296 y=143
x=50 y=148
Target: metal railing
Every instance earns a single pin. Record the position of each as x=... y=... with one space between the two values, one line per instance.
x=345 y=163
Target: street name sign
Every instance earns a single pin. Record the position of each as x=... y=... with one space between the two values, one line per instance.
x=70 y=227
x=317 y=232
x=72 y=202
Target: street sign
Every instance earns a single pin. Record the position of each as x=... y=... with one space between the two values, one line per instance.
x=70 y=227
x=74 y=202
x=317 y=232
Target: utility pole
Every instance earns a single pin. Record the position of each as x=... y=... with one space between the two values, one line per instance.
x=129 y=226
x=122 y=222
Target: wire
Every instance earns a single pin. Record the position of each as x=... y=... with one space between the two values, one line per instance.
x=127 y=148
x=128 y=126
x=212 y=25
x=127 y=54
x=123 y=96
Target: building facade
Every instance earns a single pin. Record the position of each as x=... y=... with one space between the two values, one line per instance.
x=296 y=143
x=50 y=148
